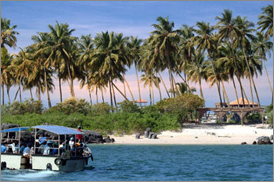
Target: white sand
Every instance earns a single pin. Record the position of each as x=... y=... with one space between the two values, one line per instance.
x=202 y=134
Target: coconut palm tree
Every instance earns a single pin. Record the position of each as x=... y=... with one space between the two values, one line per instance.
x=196 y=70
x=6 y=76
x=108 y=61
x=207 y=41
x=150 y=79
x=262 y=46
x=244 y=42
x=85 y=47
x=61 y=44
x=8 y=34
x=266 y=20
x=134 y=46
x=164 y=41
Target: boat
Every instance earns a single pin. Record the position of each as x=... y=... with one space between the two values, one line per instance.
x=64 y=159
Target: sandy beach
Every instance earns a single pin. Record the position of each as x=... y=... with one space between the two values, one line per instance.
x=203 y=134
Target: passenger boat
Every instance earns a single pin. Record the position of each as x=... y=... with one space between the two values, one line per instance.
x=64 y=160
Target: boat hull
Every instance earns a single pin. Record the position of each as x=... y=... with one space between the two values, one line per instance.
x=13 y=161
x=48 y=162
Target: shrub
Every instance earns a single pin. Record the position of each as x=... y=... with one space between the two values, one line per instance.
x=128 y=106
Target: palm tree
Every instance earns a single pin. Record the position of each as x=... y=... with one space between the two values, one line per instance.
x=245 y=36
x=196 y=70
x=163 y=41
x=266 y=20
x=85 y=47
x=206 y=41
x=61 y=44
x=150 y=79
x=41 y=52
x=108 y=60
x=135 y=48
x=6 y=76
x=262 y=46
x=8 y=33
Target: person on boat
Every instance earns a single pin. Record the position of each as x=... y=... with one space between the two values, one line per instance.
x=22 y=147
x=14 y=146
x=55 y=150
x=72 y=150
x=79 y=137
x=4 y=147
x=26 y=152
x=42 y=147
x=42 y=139
x=71 y=142
x=48 y=146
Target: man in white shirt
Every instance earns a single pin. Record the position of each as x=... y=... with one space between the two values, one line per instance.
x=71 y=143
x=26 y=152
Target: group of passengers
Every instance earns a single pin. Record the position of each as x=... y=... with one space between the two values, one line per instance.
x=47 y=146
x=24 y=148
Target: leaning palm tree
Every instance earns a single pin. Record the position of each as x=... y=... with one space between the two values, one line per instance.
x=262 y=46
x=266 y=20
x=8 y=34
x=164 y=41
x=134 y=46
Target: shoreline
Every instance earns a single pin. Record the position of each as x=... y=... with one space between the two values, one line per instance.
x=202 y=134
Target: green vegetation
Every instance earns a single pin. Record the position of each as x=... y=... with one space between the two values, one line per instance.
x=127 y=119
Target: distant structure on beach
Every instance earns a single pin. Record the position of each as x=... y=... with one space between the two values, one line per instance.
x=243 y=103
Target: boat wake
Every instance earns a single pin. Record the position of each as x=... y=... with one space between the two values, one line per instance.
x=26 y=175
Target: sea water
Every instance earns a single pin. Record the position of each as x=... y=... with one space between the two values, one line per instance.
x=165 y=163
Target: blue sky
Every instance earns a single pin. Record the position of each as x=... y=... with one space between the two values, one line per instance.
x=130 y=18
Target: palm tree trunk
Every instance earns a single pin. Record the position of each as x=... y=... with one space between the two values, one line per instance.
x=96 y=92
x=223 y=85
x=114 y=97
x=20 y=93
x=235 y=89
x=174 y=83
x=31 y=96
x=257 y=95
x=102 y=94
x=241 y=87
x=16 y=94
x=164 y=85
x=171 y=82
x=120 y=91
x=47 y=89
x=129 y=89
x=150 y=94
x=219 y=91
x=184 y=79
x=8 y=93
x=268 y=80
x=201 y=91
x=158 y=86
x=110 y=94
x=249 y=71
x=3 y=93
x=71 y=81
x=124 y=85
x=138 y=84
x=251 y=91
x=38 y=90
x=89 y=93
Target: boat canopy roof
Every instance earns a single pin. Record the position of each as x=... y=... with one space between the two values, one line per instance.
x=15 y=129
x=59 y=130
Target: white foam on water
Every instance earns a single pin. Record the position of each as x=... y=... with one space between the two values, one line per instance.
x=30 y=175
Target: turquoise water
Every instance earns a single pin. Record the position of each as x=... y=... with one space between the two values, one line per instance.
x=165 y=163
